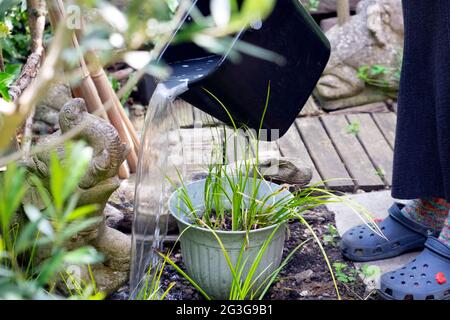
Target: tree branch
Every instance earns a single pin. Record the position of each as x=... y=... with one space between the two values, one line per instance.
x=36 y=19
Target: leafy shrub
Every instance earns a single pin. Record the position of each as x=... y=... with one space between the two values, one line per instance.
x=21 y=275
x=7 y=78
x=15 y=43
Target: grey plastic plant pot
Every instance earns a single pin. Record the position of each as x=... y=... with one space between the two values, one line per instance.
x=202 y=255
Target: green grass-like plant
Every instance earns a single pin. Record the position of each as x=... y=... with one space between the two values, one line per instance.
x=226 y=198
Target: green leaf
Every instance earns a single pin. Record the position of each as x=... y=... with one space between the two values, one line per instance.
x=56 y=181
x=50 y=267
x=6 y=78
x=257 y=9
x=369 y=271
x=78 y=226
x=43 y=193
x=81 y=212
x=5 y=93
x=13 y=69
x=114 y=83
x=377 y=70
x=353 y=128
x=43 y=225
x=6 y=5
x=78 y=156
x=173 y=5
x=27 y=237
x=12 y=191
x=83 y=256
x=71 y=205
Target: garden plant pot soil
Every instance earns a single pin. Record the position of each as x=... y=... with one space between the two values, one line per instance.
x=203 y=257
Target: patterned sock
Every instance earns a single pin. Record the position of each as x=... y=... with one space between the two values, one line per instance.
x=445 y=233
x=431 y=212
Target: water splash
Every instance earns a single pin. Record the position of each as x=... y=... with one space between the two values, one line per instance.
x=160 y=159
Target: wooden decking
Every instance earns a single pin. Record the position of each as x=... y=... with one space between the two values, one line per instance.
x=346 y=151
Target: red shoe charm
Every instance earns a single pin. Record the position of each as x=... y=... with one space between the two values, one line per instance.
x=440 y=278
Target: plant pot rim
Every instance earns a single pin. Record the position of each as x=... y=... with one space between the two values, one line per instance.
x=223 y=232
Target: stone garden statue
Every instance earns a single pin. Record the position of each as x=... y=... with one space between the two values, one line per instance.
x=95 y=187
x=46 y=115
x=373 y=38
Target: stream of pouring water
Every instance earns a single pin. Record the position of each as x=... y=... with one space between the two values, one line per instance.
x=161 y=157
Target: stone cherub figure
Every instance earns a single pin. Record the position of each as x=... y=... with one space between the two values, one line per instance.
x=95 y=187
x=374 y=36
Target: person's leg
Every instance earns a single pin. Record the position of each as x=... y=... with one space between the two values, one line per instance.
x=445 y=233
x=422 y=148
x=431 y=212
x=421 y=164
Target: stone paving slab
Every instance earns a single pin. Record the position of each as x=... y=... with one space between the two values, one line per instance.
x=377 y=204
